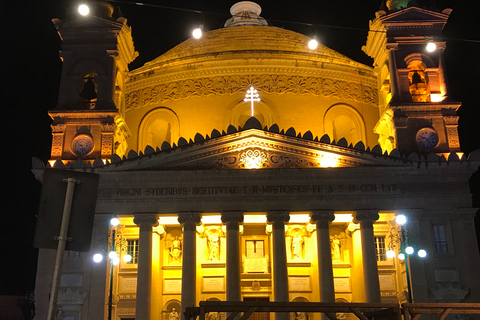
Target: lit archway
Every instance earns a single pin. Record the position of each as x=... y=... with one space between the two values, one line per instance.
x=242 y=112
x=343 y=121
x=158 y=126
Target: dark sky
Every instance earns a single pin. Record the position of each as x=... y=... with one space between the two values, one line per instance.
x=31 y=70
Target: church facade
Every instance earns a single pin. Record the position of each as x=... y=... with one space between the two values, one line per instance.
x=294 y=197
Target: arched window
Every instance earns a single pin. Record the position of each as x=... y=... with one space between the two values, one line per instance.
x=343 y=121
x=242 y=112
x=87 y=97
x=418 y=80
x=159 y=125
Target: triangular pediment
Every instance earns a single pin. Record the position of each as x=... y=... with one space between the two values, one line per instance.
x=255 y=148
x=91 y=23
x=416 y=14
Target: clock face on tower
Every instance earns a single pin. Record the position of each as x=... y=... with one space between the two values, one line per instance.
x=427 y=138
x=82 y=145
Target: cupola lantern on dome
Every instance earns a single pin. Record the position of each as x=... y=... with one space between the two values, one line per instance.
x=245 y=13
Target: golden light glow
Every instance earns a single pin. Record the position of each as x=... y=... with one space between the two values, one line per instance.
x=328 y=161
x=343 y=217
x=214 y=219
x=435 y=97
x=254 y=218
x=253 y=158
x=168 y=220
x=299 y=218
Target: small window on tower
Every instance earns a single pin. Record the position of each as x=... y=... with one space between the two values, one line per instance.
x=418 y=82
x=88 y=92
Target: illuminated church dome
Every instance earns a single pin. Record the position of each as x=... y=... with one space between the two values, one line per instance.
x=200 y=84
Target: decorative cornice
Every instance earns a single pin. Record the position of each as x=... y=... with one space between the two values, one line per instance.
x=266 y=83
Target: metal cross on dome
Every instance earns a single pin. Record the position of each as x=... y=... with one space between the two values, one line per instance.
x=251 y=96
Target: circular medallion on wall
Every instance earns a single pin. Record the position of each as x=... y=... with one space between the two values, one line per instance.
x=427 y=138
x=82 y=144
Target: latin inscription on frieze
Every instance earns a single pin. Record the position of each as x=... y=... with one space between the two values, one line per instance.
x=325 y=189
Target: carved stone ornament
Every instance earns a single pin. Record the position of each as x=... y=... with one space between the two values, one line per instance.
x=70 y=296
x=191 y=216
x=280 y=215
x=235 y=216
x=368 y=215
x=148 y=219
x=449 y=293
x=322 y=215
x=266 y=83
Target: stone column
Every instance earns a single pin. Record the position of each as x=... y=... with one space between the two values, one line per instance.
x=322 y=218
x=280 y=273
x=232 y=219
x=145 y=221
x=442 y=71
x=392 y=66
x=189 y=220
x=370 y=268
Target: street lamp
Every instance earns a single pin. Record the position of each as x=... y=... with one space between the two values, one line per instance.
x=399 y=237
x=113 y=255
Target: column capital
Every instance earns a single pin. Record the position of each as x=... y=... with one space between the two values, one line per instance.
x=278 y=215
x=365 y=215
x=189 y=216
x=147 y=218
x=322 y=215
x=232 y=216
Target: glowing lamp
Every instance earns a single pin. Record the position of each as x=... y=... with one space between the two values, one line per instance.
x=197 y=33
x=112 y=254
x=114 y=222
x=431 y=46
x=409 y=250
x=401 y=256
x=313 y=44
x=115 y=261
x=98 y=257
x=390 y=254
x=422 y=253
x=83 y=9
x=401 y=219
x=127 y=258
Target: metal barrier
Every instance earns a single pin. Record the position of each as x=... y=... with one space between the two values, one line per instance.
x=413 y=311
x=363 y=311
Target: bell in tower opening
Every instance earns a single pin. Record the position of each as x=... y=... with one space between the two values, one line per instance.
x=88 y=95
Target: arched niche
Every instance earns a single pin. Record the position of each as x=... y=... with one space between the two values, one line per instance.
x=159 y=125
x=89 y=78
x=418 y=78
x=171 y=310
x=242 y=112
x=301 y=315
x=343 y=121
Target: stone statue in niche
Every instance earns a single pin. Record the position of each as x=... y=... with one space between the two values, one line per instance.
x=175 y=250
x=335 y=246
x=173 y=315
x=212 y=316
x=297 y=246
x=213 y=243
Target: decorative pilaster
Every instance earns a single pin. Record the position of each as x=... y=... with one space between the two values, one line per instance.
x=145 y=221
x=189 y=220
x=232 y=219
x=366 y=219
x=442 y=71
x=280 y=274
x=392 y=66
x=322 y=218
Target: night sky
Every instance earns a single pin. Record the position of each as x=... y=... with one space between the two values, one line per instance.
x=31 y=71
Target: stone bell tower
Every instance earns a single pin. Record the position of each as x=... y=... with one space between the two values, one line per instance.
x=416 y=111
x=88 y=122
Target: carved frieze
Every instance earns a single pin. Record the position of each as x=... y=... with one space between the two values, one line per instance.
x=267 y=83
